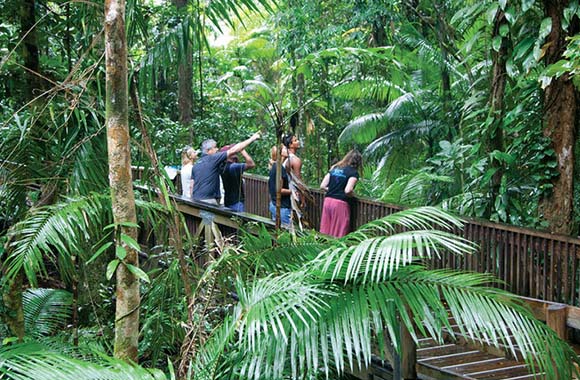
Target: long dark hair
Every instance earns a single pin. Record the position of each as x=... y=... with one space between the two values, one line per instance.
x=352 y=158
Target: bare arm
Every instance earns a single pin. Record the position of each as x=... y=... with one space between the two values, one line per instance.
x=325 y=182
x=349 y=189
x=242 y=145
x=250 y=164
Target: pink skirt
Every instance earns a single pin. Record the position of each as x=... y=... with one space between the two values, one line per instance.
x=335 y=220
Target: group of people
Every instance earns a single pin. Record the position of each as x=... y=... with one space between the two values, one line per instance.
x=200 y=180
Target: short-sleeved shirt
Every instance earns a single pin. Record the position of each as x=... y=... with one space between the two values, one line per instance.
x=272 y=186
x=232 y=181
x=186 y=180
x=206 y=175
x=338 y=179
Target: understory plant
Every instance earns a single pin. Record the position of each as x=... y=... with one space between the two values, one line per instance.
x=276 y=305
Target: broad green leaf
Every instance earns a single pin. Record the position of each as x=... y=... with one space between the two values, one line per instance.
x=510 y=15
x=111 y=268
x=491 y=12
x=522 y=47
x=130 y=242
x=129 y=224
x=488 y=175
x=496 y=43
x=138 y=272
x=120 y=252
x=527 y=4
x=504 y=29
x=545 y=28
x=503 y=156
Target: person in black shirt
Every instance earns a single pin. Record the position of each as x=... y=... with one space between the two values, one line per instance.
x=339 y=184
x=232 y=179
x=285 y=192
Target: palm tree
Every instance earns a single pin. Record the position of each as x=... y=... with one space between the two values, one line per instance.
x=318 y=304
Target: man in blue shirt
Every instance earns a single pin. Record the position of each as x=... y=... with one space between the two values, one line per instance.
x=205 y=173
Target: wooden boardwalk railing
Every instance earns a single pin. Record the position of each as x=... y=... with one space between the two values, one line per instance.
x=533 y=264
x=529 y=263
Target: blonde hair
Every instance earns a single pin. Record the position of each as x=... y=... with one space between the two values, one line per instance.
x=188 y=156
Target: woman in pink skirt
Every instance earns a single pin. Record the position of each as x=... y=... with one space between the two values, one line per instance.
x=339 y=184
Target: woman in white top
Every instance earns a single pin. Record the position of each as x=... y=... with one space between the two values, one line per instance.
x=188 y=157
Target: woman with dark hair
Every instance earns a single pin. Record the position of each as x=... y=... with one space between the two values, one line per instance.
x=339 y=184
x=285 y=206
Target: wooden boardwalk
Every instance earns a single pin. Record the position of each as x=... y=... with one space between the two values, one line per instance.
x=457 y=361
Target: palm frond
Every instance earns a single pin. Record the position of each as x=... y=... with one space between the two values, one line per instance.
x=291 y=297
x=363 y=129
x=32 y=361
x=420 y=218
x=421 y=300
x=413 y=189
x=65 y=228
x=366 y=128
x=376 y=259
x=260 y=253
x=386 y=144
x=46 y=311
x=377 y=89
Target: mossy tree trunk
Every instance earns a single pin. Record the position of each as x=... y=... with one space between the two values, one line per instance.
x=122 y=196
x=561 y=109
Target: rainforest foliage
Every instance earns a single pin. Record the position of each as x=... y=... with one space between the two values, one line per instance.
x=469 y=106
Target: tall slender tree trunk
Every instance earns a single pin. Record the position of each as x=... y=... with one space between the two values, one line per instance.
x=30 y=48
x=561 y=109
x=442 y=31
x=495 y=138
x=185 y=78
x=122 y=196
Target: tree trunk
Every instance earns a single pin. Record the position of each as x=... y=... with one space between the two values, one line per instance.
x=560 y=104
x=122 y=196
x=30 y=48
x=495 y=140
x=13 y=316
x=185 y=79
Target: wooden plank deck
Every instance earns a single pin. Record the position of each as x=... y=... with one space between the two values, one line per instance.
x=451 y=361
x=458 y=361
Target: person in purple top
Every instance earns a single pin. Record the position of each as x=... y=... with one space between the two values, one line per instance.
x=205 y=174
x=339 y=184
x=232 y=179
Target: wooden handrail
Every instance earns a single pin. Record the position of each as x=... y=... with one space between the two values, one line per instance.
x=529 y=263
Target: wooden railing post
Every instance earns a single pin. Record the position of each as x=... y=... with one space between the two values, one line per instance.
x=408 y=355
x=556 y=315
